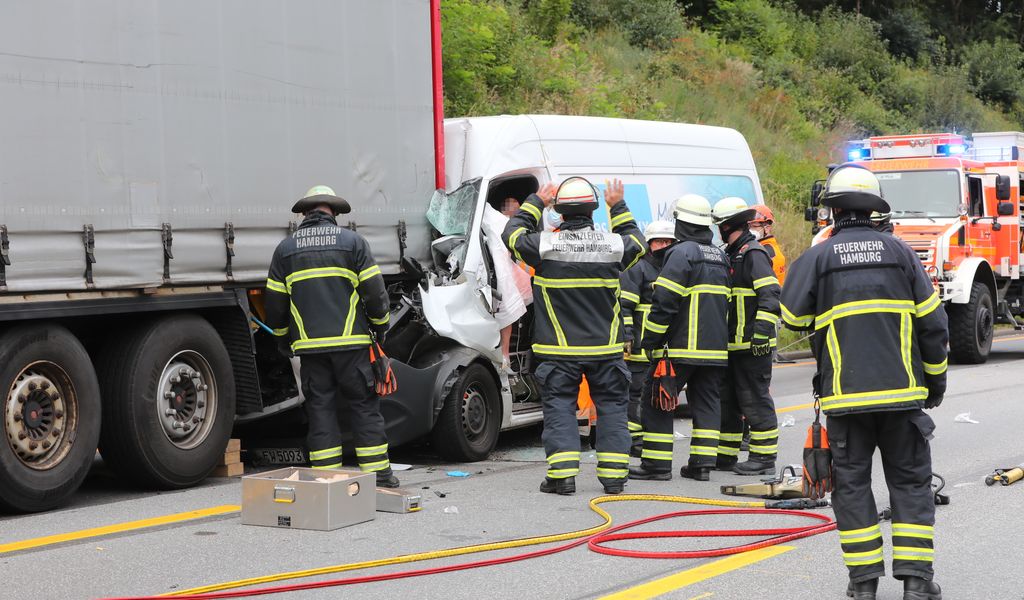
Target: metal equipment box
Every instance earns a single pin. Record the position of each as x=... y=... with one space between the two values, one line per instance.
x=395 y=500
x=302 y=498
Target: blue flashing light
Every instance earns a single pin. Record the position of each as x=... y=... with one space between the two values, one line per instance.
x=950 y=149
x=859 y=154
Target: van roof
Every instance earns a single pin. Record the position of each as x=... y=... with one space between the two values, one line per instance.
x=490 y=146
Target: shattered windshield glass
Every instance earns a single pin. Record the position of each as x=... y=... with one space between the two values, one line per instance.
x=452 y=214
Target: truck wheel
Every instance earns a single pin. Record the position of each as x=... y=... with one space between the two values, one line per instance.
x=169 y=402
x=467 y=428
x=971 y=327
x=50 y=417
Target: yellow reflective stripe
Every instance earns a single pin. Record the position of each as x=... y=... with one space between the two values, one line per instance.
x=925 y=532
x=659 y=437
x=634 y=298
x=331 y=466
x=862 y=399
x=742 y=292
x=867 y=536
x=854 y=559
x=513 y=239
x=707 y=288
x=705 y=433
x=741 y=317
x=634 y=426
x=643 y=250
x=691 y=334
x=758 y=449
x=563 y=456
x=330 y=342
x=379 y=465
x=612 y=457
x=326 y=453
x=577 y=350
x=559 y=334
x=730 y=437
x=703 y=450
x=562 y=473
x=936 y=368
x=728 y=451
x=671 y=286
x=319 y=272
x=906 y=339
x=762 y=315
x=281 y=332
x=613 y=333
x=655 y=327
x=836 y=358
x=922 y=550
x=737 y=346
x=298 y=320
x=276 y=286
x=656 y=454
x=796 y=321
x=770 y=280
x=350 y=319
x=381 y=321
x=369 y=272
x=532 y=210
x=763 y=435
x=576 y=283
x=628 y=320
x=686 y=353
x=620 y=219
x=612 y=473
x=913 y=553
x=642 y=307
x=861 y=307
x=858 y=532
x=371 y=450
x=925 y=308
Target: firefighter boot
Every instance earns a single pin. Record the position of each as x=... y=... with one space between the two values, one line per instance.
x=754 y=467
x=642 y=473
x=697 y=473
x=864 y=590
x=564 y=486
x=614 y=488
x=387 y=479
x=915 y=588
x=725 y=463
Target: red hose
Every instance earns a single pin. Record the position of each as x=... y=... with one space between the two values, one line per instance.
x=595 y=542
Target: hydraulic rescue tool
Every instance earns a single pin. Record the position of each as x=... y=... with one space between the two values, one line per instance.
x=1006 y=476
x=788 y=484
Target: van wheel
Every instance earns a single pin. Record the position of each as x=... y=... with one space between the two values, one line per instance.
x=50 y=408
x=169 y=402
x=467 y=428
x=971 y=327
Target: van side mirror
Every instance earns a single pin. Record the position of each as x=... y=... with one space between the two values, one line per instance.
x=1002 y=188
x=1005 y=209
x=810 y=214
x=816 y=188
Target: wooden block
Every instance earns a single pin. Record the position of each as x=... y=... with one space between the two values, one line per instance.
x=234 y=445
x=231 y=458
x=235 y=470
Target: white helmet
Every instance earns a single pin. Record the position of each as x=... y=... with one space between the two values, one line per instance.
x=660 y=230
x=576 y=196
x=879 y=217
x=732 y=210
x=853 y=187
x=693 y=208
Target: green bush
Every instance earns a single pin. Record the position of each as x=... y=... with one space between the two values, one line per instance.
x=994 y=70
x=647 y=23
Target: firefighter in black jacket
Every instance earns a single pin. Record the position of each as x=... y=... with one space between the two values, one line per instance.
x=689 y=321
x=880 y=345
x=326 y=294
x=753 y=321
x=637 y=290
x=577 y=323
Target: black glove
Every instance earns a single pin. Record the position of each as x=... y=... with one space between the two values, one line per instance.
x=760 y=346
x=936 y=390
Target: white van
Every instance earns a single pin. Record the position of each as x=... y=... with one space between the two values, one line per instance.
x=488 y=159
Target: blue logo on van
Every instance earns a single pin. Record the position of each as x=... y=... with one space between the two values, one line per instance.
x=637 y=199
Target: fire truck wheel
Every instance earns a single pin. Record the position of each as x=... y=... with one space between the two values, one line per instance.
x=169 y=402
x=971 y=327
x=49 y=417
x=467 y=428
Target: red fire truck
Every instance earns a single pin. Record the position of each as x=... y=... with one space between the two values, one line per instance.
x=957 y=202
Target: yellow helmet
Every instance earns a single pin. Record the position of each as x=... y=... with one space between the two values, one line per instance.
x=693 y=208
x=852 y=187
x=732 y=211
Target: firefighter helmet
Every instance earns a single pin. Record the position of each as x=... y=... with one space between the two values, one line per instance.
x=321 y=194
x=880 y=217
x=764 y=215
x=576 y=196
x=660 y=230
x=693 y=208
x=732 y=212
x=852 y=187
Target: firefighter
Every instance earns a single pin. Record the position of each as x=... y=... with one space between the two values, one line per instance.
x=577 y=327
x=637 y=289
x=753 y=320
x=689 y=321
x=762 y=227
x=324 y=282
x=880 y=347
x=883 y=222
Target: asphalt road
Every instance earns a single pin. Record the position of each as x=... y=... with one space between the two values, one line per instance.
x=978 y=536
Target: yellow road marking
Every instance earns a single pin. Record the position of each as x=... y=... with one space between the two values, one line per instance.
x=118 y=528
x=786 y=409
x=655 y=588
x=1009 y=338
x=702 y=596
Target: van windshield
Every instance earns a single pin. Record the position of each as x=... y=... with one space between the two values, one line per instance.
x=921 y=193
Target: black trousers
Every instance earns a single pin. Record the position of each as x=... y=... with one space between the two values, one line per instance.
x=638 y=372
x=745 y=394
x=609 y=387
x=902 y=438
x=343 y=380
x=702 y=393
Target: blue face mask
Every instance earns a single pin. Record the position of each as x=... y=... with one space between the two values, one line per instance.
x=552 y=220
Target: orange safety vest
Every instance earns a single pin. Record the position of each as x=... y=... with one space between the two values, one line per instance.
x=778 y=258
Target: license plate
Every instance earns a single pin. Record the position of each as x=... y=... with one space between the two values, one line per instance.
x=281 y=456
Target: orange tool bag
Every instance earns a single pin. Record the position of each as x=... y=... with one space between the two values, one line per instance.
x=385 y=382
x=665 y=391
x=817 y=458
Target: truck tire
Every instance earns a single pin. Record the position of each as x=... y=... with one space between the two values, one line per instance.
x=971 y=327
x=467 y=428
x=49 y=417
x=169 y=402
